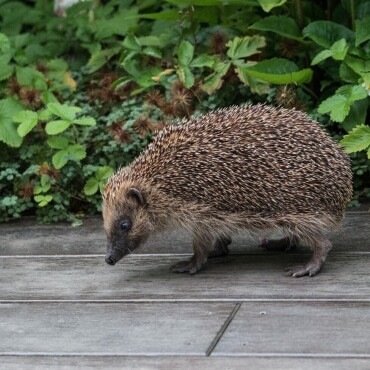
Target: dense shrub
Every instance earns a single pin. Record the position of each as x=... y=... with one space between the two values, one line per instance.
x=81 y=95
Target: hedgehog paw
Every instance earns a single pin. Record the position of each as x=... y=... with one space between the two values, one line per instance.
x=191 y=266
x=311 y=269
x=278 y=245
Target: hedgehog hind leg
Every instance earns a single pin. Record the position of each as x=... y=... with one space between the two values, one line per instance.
x=202 y=245
x=321 y=246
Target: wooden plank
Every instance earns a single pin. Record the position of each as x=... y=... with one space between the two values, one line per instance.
x=302 y=328
x=148 y=277
x=110 y=329
x=179 y=363
x=26 y=237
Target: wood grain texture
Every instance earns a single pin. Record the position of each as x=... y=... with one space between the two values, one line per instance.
x=110 y=329
x=307 y=328
x=179 y=363
x=26 y=237
x=148 y=277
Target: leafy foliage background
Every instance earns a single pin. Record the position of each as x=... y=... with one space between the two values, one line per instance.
x=83 y=93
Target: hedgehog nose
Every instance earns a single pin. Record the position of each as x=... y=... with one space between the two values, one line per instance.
x=110 y=261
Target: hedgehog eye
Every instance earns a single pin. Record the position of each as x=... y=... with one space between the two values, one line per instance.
x=124 y=225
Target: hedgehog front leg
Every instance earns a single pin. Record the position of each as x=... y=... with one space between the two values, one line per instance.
x=201 y=246
x=321 y=247
x=220 y=247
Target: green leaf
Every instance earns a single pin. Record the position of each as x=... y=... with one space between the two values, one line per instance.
x=165 y=15
x=5 y=49
x=357 y=92
x=203 y=60
x=358 y=139
x=325 y=33
x=5 y=71
x=214 y=81
x=104 y=173
x=100 y=57
x=152 y=52
x=31 y=77
x=56 y=127
x=77 y=151
x=85 y=121
x=362 y=30
x=338 y=51
x=132 y=42
x=325 y=54
x=57 y=142
x=245 y=46
x=9 y=107
x=337 y=105
x=267 y=5
x=27 y=119
x=60 y=158
x=91 y=186
x=63 y=111
x=118 y=24
x=185 y=76
x=43 y=200
x=360 y=66
x=278 y=71
x=280 y=24
x=185 y=53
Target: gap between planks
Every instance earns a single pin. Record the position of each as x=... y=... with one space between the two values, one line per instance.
x=191 y=300
x=164 y=354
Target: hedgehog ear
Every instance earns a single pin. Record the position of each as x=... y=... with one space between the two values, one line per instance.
x=137 y=195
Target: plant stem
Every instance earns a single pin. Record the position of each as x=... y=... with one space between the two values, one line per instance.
x=299 y=13
x=352 y=4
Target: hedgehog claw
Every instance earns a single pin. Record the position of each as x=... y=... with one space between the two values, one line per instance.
x=311 y=269
x=191 y=266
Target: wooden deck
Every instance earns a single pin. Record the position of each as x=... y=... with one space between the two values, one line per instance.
x=61 y=306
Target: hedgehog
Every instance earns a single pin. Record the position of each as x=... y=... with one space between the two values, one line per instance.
x=252 y=169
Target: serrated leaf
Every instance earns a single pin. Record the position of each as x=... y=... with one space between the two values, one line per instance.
x=203 y=60
x=45 y=115
x=356 y=115
x=185 y=76
x=280 y=24
x=358 y=139
x=56 y=127
x=257 y=86
x=131 y=42
x=337 y=105
x=59 y=159
x=85 y=121
x=279 y=71
x=57 y=142
x=185 y=53
x=27 y=119
x=77 y=151
x=242 y=47
x=63 y=111
x=362 y=30
x=91 y=186
x=103 y=173
x=267 y=5
x=325 y=33
x=31 y=77
x=214 y=81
